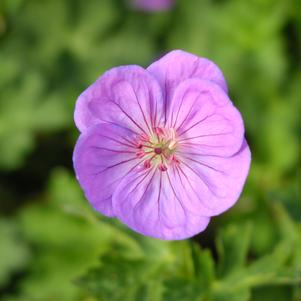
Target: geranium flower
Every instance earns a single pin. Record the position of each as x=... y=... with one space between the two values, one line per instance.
x=152 y=5
x=163 y=148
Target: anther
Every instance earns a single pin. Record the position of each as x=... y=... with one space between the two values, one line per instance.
x=175 y=160
x=147 y=163
x=159 y=131
x=140 y=153
x=162 y=167
x=144 y=137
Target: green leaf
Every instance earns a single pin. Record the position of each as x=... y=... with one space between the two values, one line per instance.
x=232 y=245
x=14 y=252
x=204 y=267
x=181 y=289
x=228 y=294
x=120 y=278
x=272 y=293
x=65 y=243
x=18 y=124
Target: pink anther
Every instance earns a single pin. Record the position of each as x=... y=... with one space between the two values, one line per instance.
x=147 y=163
x=140 y=153
x=162 y=167
x=175 y=160
x=159 y=131
x=144 y=137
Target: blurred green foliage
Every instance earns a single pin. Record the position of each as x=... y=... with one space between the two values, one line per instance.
x=53 y=246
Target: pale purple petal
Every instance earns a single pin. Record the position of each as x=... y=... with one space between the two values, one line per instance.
x=205 y=120
x=147 y=202
x=83 y=116
x=177 y=66
x=210 y=185
x=128 y=96
x=152 y=5
x=103 y=155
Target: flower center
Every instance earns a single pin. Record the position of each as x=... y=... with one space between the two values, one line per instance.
x=158 y=149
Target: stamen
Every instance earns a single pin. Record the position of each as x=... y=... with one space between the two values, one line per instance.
x=140 y=154
x=172 y=144
x=175 y=160
x=159 y=131
x=158 y=149
x=162 y=167
x=144 y=137
x=147 y=163
x=147 y=146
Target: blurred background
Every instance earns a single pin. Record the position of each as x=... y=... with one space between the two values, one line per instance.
x=53 y=246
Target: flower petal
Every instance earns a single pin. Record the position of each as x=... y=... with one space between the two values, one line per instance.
x=178 y=65
x=129 y=96
x=146 y=201
x=205 y=119
x=212 y=184
x=152 y=5
x=103 y=155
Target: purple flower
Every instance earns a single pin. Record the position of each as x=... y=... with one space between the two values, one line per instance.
x=152 y=5
x=161 y=149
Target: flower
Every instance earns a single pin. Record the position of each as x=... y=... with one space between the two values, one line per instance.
x=152 y=5
x=163 y=148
